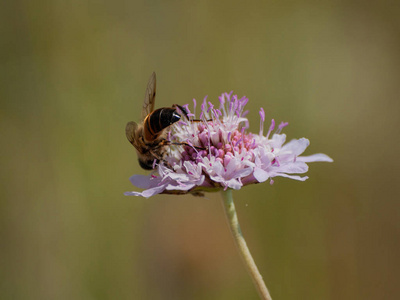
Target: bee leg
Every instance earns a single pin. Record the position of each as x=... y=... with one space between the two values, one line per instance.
x=187 y=144
x=183 y=110
x=168 y=143
x=198 y=120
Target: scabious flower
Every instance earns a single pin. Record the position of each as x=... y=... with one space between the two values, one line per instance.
x=216 y=152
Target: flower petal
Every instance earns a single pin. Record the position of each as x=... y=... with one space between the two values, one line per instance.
x=218 y=152
x=260 y=174
x=296 y=147
x=277 y=140
x=147 y=193
x=314 y=158
x=180 y=187
x=144 y=182
x=291 y=176
x=293 y=167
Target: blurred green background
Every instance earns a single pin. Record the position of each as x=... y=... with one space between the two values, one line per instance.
x=73 y=73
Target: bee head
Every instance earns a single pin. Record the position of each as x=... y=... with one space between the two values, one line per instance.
x=146 y=164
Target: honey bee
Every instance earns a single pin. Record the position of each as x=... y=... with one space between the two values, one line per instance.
x=150 y=136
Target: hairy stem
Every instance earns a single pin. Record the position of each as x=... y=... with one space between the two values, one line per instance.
x=244 y=251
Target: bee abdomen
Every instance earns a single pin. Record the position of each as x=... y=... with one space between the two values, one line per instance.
x=158 y=120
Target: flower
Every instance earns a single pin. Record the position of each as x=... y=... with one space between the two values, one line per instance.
x=216 y=152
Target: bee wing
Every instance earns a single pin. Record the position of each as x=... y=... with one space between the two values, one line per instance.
x=150 y=97
x=130 y=131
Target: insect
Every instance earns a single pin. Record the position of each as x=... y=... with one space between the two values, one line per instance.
x=150 y=136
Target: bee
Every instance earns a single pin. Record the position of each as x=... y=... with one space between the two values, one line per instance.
x=150 y=136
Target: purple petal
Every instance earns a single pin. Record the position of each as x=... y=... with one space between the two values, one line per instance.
x=262 y=114
x=144 y=182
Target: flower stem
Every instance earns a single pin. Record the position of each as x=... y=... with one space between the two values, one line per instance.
x=244 y=251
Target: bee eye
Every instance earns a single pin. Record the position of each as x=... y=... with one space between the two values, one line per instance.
x=175 y=117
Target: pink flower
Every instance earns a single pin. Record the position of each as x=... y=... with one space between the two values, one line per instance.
x=216 y=152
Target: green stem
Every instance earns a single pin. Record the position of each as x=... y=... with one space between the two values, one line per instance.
x=244 y=251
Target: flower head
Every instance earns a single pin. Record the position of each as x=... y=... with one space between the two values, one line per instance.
x=216 y=152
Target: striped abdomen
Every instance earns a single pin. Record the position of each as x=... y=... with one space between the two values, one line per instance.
x=157 y=121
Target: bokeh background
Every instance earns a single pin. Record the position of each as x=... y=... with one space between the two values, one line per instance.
x=74 y=72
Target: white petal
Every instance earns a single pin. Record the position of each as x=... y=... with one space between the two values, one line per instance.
x=199 y=180
x=260 y=174
x=147 y=193
x=214 y=138
x=176 y=177
x=291 y=176
x=153 y=191
x=278 y=140
x=194 y=169
x=232 y=166
x=234 y=184
x=242 y=173
x=296 y=147
x=133 y=194
x=218 y=168
x=296 y=167
x=315 y=157
x=180 y=187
